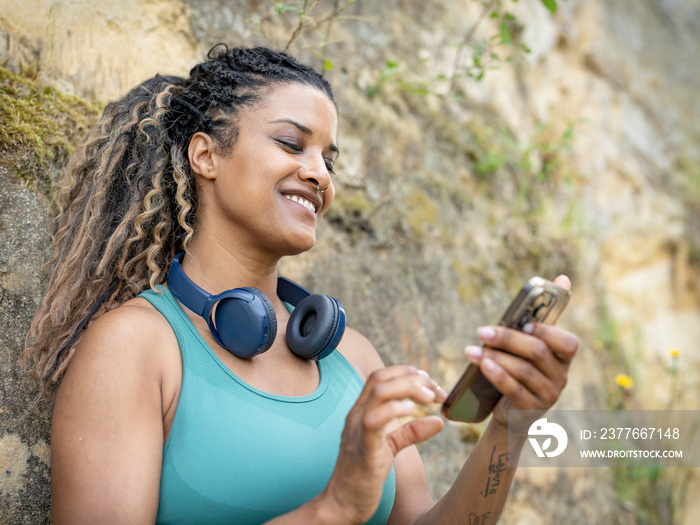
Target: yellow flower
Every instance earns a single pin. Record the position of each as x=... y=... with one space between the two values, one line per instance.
x=624 y=381
x=674 y=352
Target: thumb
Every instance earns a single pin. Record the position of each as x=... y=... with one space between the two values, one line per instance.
x=563 y=281
x=414 y=432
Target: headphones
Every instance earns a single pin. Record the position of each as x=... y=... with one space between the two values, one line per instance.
x=243 y=320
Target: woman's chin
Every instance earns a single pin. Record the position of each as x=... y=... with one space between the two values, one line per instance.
x=299 y=244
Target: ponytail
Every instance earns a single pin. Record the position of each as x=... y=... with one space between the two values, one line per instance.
x=126 y=206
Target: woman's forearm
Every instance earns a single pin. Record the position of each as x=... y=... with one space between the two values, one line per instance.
x=479 y=493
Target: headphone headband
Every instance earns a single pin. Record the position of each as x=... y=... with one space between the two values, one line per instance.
x=185 y=289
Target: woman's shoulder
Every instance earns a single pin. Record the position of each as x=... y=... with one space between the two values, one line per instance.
x=133 y=340
x=360 y=353
x=135 y=321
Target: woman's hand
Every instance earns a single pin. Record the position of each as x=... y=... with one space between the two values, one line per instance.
x=532 y=371
x=373 y=436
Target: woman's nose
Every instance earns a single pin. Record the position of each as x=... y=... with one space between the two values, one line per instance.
x=317 y=174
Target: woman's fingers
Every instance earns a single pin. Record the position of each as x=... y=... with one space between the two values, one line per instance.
x=563 y=281
x=537 y=342
x=376 y=419
x=396 y=399
x=391 y=393
x=522 y=382
x=517 y=377
x=414 y=432
x=563 y=344
x=529 y=367
x=400 y=382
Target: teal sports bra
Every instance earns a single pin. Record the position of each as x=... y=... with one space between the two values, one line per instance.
x=238 y=455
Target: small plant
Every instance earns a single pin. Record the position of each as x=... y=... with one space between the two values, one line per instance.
x=311 y=21
x=655 y=494
x=487 y=55
x=503 y=46
x=51 y=32
x=305 y=18
x=529 y=175
x=394 y=74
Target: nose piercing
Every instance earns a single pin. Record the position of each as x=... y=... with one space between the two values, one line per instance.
x=319 y=188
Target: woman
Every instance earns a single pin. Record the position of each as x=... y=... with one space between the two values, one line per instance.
x=154 y=420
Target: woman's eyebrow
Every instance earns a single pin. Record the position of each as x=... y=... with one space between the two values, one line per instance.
x=300 y=127
x=303 y=129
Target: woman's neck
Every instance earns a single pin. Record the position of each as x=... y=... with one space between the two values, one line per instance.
x=216 y=266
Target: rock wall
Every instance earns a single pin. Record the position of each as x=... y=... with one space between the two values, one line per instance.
x=577 y=157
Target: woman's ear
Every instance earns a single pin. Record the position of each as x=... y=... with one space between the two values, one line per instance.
x=201 y=155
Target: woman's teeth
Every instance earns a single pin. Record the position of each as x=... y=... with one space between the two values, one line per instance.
x=301 y=200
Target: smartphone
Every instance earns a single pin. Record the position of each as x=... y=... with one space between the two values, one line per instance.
x=474 y=398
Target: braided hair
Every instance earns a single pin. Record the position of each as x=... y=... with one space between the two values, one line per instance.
x=127 y=203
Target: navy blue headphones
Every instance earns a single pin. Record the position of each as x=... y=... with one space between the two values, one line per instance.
x=243 y=320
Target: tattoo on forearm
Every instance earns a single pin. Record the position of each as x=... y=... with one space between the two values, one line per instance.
x=497 y=466
x=475 y=519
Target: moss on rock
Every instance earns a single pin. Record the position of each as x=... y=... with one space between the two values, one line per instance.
x=38 y=128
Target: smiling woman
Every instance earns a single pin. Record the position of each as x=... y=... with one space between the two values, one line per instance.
x=281 y=166
x=177 y=402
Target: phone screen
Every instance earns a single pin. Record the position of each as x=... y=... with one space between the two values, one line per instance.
x=475 y=402
x=474 y=397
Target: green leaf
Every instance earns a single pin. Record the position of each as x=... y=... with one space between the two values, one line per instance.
x=282 y=8
x=506 y=37
x=551 y=5
x=568 y=133
x=327 y=65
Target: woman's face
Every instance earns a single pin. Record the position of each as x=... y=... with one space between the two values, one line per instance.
x=266 y=194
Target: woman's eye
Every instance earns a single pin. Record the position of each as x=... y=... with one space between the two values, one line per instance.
x=290 y=145
x=296 y=148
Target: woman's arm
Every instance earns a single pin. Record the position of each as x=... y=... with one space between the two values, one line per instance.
x=373 y=440
x=107 y=428
x=531 y=374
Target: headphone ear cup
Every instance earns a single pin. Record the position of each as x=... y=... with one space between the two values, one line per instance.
x=315 y=327
x=245 y=328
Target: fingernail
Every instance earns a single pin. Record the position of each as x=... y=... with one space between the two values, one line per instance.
x=486 y=332
x=442 y=395
x=474 y=352
x=423 y=373
x=529 y=328
x=407 y=405
x=428 y=393
x=489 y=365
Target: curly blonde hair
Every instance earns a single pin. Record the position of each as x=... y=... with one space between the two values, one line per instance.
x=127 y=203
